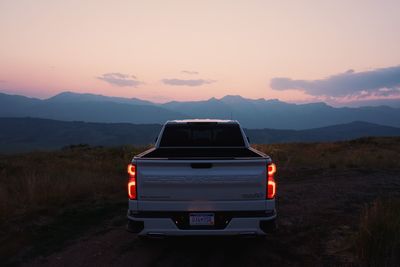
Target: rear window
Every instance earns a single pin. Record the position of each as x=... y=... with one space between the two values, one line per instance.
x=202 y=135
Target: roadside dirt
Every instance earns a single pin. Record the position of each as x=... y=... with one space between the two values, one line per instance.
x=318 y=215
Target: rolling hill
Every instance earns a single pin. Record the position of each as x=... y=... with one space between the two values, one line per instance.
x=28 y=134
x=252 y=113
x=72 y=108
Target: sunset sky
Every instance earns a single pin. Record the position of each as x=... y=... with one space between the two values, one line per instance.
x=297 y=51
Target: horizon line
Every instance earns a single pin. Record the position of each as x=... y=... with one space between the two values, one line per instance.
x=337 y=105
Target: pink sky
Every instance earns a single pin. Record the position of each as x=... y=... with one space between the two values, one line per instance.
x=191 y=50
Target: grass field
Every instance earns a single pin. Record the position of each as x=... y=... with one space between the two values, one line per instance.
x=378 y=239
x=43 y=192
x=39 y=181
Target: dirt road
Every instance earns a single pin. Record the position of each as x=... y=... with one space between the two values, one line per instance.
x=318 y=214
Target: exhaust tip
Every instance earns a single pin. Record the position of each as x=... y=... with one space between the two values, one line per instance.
x=247 y=234
x=156 y=235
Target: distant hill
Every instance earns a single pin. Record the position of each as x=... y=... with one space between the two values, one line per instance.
x=70 y=107
x=339 y=132
x=28 y=134
x=66 y=97
x=252 y=113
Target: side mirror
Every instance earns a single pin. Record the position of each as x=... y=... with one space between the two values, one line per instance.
x=248 y=139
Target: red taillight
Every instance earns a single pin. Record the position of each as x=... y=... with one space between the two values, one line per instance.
x=132 y=170
x=271 y=184
x=132 y=188
x=132 y=181
x=271 y=187
x=271 y=169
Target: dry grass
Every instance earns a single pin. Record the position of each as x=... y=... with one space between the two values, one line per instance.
x=38 y=181
x=49 y=180
x=365 y=153
x=378 y=240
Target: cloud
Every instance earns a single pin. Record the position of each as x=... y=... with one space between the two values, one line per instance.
x=383 y=81
x=190 y=72
x=120 y=79
x=388 y=92
x=181 y=82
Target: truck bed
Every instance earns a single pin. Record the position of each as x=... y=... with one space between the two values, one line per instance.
x=201 y=153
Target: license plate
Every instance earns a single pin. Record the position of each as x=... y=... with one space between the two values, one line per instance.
x=201 y=219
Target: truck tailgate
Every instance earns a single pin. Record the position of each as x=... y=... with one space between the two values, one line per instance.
x=201 y=180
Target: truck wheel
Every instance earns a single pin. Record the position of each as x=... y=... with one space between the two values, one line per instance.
x=134 y=226
x=269 y=226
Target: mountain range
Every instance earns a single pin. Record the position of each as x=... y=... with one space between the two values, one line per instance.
x=252 y=113
x=29 y=134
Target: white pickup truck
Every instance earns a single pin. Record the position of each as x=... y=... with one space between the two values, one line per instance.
x=201 y=178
